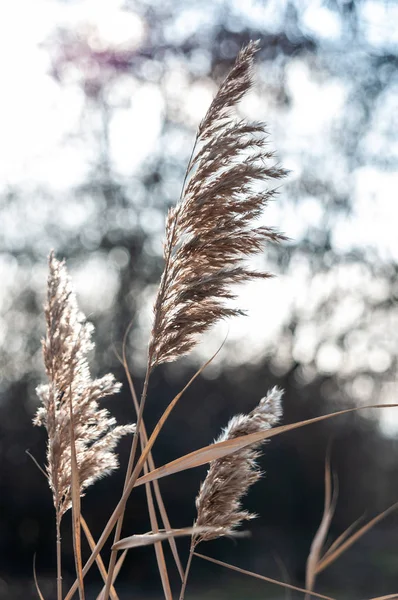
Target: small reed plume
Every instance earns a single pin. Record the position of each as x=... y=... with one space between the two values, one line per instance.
x=228 y=479
x=65 y=348
x=211 y=229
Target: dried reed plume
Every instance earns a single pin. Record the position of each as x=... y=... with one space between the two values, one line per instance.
x=228 y=479
x=211 y=229
x=65 y=348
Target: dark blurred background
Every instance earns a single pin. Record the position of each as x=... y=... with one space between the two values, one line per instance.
x=98 y=111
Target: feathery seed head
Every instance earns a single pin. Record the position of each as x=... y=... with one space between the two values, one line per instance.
x=212 y=229
x=65 y=348
x=228 y=479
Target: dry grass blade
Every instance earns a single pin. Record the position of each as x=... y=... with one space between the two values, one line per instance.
x=36 y=463
x=35 y=579
x=343 y=536
x=320 y=536
x=164 y=576
x=328 y=560
x=220 y=449
x=141 y=465
x=137 y=470
x=134 y=541
x=99 y=560
x=165 y=519
x=76 y=509
x=263 y=577
x=160 y=424
x=116 y=572
x=151 y=464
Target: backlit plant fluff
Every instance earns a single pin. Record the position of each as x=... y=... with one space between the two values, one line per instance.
x=212 y=228
x=65 y=348
x=228 y=479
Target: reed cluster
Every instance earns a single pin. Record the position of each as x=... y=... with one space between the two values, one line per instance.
x=210 y=233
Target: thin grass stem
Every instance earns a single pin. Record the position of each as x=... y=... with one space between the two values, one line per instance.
x=119 y=525
x=100 y=562
x=187 y=569
x=59 y=560
x=151 y=464
x=158 y=545
x=263 y=577
x=151 y=509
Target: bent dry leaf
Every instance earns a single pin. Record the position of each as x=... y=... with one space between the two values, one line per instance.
x=146 y=539
x=35 y=579
x=315 y=563
x=320 y=536
x=332 y=556
x=220 y=449
x=263 y=577
x=343 y=536
x=160 y=424
x=129 y=484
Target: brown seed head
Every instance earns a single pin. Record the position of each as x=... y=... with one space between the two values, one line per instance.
x=212 y=229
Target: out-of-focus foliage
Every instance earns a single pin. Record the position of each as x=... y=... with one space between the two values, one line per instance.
x=327 y=80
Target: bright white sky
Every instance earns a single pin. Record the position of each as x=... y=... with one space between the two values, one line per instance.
x=40 y=123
